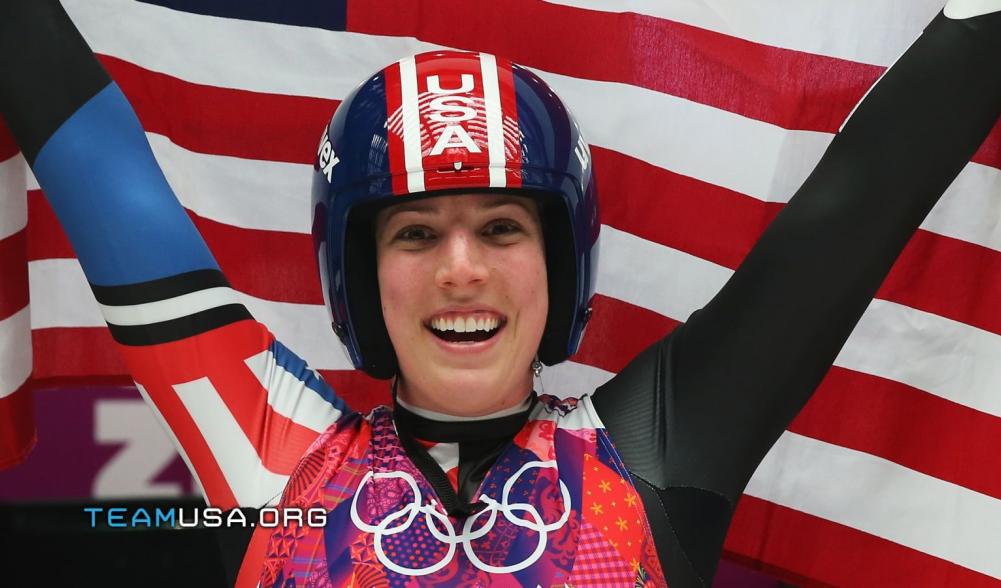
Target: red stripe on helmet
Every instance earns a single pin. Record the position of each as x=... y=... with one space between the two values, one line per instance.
x=394 y=128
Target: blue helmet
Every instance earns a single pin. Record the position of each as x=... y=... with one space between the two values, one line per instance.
x=439 y=122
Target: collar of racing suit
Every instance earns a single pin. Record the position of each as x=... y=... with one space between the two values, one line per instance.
x=478 y=443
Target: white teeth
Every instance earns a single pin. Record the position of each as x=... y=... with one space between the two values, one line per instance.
x=465 y=324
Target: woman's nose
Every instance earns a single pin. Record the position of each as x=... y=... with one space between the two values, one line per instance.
x=462 y=262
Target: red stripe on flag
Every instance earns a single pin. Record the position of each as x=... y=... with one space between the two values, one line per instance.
x=618 y=332
x=705 y=220
x=13 y=273
x=272 y=265
x=68 y=353
x=907 y=426
x=223 y=121
x=46 y=238
x=360 y=391
x=811 y=551
x=948 y=277
x=17 y=435
x=8 y=148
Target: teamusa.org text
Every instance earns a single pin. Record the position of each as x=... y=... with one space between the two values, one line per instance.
x=182 y=517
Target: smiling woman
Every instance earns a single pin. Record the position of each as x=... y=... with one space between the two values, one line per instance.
x=455 y=223
x=462 y=280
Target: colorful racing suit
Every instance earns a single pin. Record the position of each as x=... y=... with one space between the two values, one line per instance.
x=691 y=417
x=556 y=507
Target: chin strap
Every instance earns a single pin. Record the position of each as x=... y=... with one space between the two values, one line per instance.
x=480 y=443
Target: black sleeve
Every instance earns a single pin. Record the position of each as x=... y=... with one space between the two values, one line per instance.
x=47 y=71
x=716 y=394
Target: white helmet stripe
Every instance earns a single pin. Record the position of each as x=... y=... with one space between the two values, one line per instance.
x=495 y=130
x=411 y=126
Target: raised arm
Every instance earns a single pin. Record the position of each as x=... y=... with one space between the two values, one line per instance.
x=240 y=406
x=716 y=394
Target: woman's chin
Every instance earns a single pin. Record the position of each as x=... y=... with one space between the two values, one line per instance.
x=473 y=391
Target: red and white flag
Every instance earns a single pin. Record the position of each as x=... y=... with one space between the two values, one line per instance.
x=704 y=118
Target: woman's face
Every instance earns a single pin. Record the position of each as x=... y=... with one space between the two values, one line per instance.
x=463 y=285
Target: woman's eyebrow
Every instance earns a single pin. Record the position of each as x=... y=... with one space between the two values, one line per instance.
x=499 y=202
x=418 y=207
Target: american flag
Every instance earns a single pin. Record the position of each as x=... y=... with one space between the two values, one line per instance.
x=704 y=117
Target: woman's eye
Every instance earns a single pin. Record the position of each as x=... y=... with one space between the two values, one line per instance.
x=415 y=234
x=502 y=228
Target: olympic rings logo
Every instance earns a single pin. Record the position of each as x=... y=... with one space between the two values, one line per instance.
x=446 y=532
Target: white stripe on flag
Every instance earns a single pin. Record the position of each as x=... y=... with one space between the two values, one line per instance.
x=247 y=193
x=15 y=351
x=413 y=161
x=944 y=357
x=868 y=31
x=171 y=308
x=572 y=380
x=495 y=129
x=252 y=484
x=13 y=204
x=288 y=395
x=30 y=181
x=962 y=9
x=882 y=498
x=61 y=296
x=665 y=280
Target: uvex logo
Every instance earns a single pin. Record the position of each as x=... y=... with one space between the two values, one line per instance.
x=326 y=159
